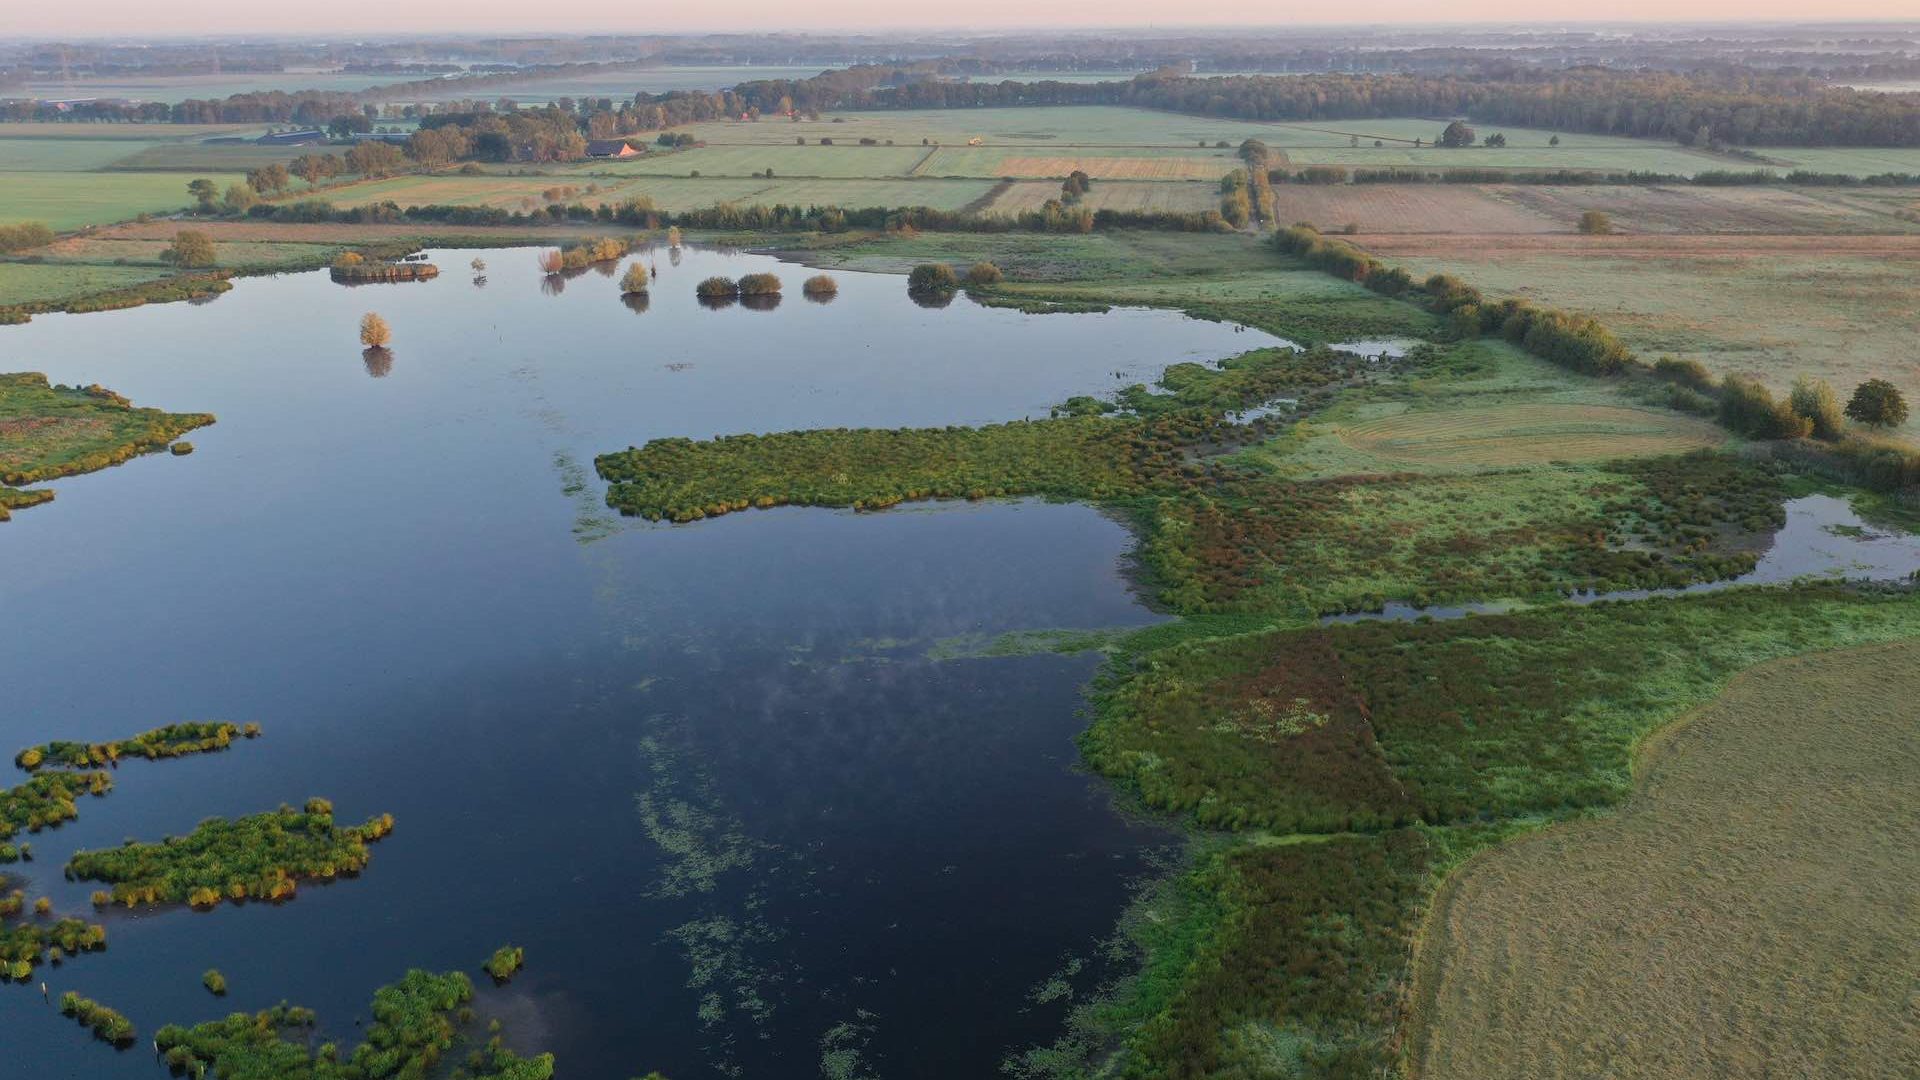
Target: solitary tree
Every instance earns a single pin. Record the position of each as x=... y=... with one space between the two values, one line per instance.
x=1877 y=403
x=1554 y=141
x=374 y=331
x=191 y=250
x=1596 y=223
x=1456 y=134
x=635 y=280
x=204 y=193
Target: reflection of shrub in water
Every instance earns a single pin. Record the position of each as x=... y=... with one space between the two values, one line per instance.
x=932 y=299
x=717 y=303
x=379 y=362
x=637 y=302
x=760 y=301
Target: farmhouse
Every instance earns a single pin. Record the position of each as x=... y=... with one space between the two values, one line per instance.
x=308 y=137
x=610 y=148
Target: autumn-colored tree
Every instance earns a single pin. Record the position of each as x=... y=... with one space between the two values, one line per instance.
x=374 y=331
x=1596 y=223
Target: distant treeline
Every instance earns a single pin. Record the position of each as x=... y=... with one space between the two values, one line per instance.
x=1736 y=107
x=1745 y=109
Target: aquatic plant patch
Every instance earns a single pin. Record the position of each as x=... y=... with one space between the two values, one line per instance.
x=47 y=800
x=52 y=431
x=417 y=1023
x=258 y=857
x=26 y=944
x=171 y=740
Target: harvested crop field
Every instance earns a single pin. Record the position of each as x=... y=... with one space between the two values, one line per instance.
x=1407 y=208
x=1529 y=434
x=1708 y=210
x=1748 y=913
x=667 y=192
x=1114 y=195
x=1142 y=167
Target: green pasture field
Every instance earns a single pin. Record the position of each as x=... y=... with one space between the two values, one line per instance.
x=25 y=283
x=1039 y=126
x=70 y=200
x=1856 y=160
x=209 y=157
x=670 y=193
x=66 y=155
x=837 y=161
x=135 y=132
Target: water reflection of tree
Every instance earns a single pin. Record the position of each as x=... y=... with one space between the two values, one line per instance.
x=716 y=303
x=479 y=281
x=553 y=284
x=760 y=301
x=636 y=302
x=933 y=298
x=821 y=297
x=606 y=269
x=673 y=256
x=379 y=361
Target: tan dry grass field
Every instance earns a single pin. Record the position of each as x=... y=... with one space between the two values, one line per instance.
x=1529 y=433
x=1844 y=308
x=1407 y=208
x=1749 y=913
x=1111 y=195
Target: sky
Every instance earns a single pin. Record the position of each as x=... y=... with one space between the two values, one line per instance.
x=122 y=18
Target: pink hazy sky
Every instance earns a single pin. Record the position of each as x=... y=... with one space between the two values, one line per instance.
x=346 y=18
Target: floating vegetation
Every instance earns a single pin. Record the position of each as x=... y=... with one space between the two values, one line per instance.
x=416 y=1025
x=173 y=740
x=215 y=982
x=504 y=962
x=842 y=1048
x=636 y=281
x=181 y=448
x=258 y=857
x=106 y=1024
x=699 y=843
x=590 y=519
x=47 y=432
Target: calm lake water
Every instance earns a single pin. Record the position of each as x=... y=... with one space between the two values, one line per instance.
x=703 y=774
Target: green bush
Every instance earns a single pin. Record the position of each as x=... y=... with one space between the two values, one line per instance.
x=932 y=277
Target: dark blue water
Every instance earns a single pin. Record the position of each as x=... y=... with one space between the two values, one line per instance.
x=703 y=774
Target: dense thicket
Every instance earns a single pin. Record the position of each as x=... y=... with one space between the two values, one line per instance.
x=259 y=857
x=171 y=740
x=416 y=1022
